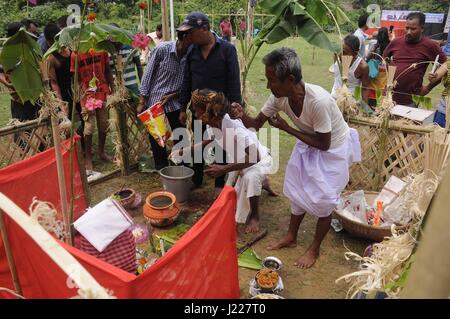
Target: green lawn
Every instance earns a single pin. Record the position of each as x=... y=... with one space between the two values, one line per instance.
x=5 y=110
x=315 y=63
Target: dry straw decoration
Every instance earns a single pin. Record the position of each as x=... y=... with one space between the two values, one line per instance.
x=390 y=257
x=114 y=101
x=345 y=100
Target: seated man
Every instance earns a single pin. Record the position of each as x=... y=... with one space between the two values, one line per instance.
x=249 y=161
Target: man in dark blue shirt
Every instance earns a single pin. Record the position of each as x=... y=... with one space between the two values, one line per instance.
x=211 y=63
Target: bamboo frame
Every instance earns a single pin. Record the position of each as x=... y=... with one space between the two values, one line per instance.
x=9 y=255
x=53 y=249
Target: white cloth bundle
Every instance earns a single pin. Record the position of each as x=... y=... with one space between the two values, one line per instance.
x=102 y=224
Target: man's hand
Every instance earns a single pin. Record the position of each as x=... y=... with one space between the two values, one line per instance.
x=236 y=111
x=183 y=118
x=140 y=107
x=278 y=122
x=432 y=77
x=215 y=171
x=425 y=90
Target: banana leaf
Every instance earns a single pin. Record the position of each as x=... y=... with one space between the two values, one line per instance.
x=249 y=259
x=93 y=35
x=424 y=101
x=20 y=58
x=289 y=16
x=319 y=10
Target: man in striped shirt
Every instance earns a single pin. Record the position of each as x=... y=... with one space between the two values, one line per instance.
x=163 y=75
x=130 y=77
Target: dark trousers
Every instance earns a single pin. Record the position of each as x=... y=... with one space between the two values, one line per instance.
x=199 y=167
x=24 y=112
x=160 y=153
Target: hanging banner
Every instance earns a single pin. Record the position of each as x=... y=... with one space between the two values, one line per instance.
x=400 y=15
x=447 y=24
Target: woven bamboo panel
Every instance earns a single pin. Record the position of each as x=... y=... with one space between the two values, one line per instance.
x=19 y=143
x=402 y=155
x=137 y=136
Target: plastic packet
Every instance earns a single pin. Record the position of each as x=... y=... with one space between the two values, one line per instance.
x=155 y=120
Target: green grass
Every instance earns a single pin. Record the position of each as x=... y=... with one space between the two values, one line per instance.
x=315 y=63
x=5 y=108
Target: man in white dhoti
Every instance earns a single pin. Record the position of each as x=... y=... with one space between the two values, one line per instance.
x=318 y=169
x=249 y=161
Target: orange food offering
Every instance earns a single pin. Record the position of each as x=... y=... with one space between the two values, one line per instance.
x=267 y=278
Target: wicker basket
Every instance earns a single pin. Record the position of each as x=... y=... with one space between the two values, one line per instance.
x=361 y=230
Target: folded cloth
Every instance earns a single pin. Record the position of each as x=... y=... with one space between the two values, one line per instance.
x=102 y=224
x=121 y=253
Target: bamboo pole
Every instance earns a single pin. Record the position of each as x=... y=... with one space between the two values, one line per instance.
x=165 y=20
x=33 y=124
x=429 y=276
x=54 y=250
x=149 y=14
x=250 y=23
x=59 y=162
x=9 y=255
x=83 y=177
x=61 y=180
x=121 y=118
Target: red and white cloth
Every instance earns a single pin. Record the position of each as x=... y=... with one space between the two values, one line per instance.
x=121 y=252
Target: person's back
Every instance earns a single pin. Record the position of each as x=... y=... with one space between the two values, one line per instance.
x=63 y=75
x=90 y=65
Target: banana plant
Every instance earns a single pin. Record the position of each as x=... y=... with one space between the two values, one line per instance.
x=93 y=35
x=290 y=16
x=20 y=59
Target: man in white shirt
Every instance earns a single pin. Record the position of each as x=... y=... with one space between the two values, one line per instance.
x=248 y=161
x=318 y=169
x=361 y=34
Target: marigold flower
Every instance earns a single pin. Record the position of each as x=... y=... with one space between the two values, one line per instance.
x=91 y=16
x=92 y=51
x=142 y=5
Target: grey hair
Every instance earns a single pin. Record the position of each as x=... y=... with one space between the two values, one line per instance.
x=286 y=62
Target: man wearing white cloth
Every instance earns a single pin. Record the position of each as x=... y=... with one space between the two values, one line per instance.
x=318 y=169
x=248 y=160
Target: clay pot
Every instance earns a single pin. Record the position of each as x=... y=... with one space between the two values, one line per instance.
x=126 y=197
x=161 y=208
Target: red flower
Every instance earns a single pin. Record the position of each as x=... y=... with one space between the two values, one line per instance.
x=91 y=16
x=142 y=5
x=141 y=41
x=156 y=1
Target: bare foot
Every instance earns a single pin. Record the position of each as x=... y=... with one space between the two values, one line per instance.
x=284 y=242
x=266 y=187
x=88 y=164
x=105 y=157
x=308 y=259
x=252 y=226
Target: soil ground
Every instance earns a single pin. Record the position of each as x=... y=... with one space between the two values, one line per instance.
x=317 y=282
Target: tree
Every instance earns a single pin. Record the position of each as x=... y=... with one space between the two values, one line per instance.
x=306 y=18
